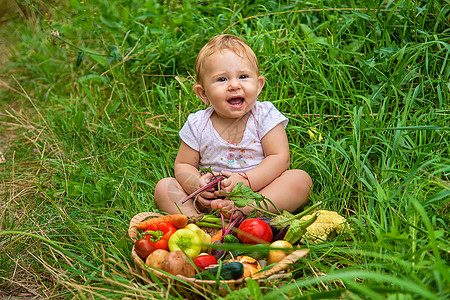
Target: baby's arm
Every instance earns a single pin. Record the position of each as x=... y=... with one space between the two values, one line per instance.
x=187 y=174
x=277 y=159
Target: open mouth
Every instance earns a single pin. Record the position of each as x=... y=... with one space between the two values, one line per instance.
x=236 y=101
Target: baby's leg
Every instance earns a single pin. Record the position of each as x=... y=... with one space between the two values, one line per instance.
x=290 y=191
x=168 y=196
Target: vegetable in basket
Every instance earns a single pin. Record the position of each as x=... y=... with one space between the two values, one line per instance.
x=217 y=236
x=254 y=231
x=327 y=226
x=217 y=252
x=251 y=265
x=204 y=261
x=295 y=228
x=257 y=251
x=224 y=271
x=177 y=220
x=277 y=255
x=298 y=229
x=176 y=263
x=187 y=241
x=144 y=247
x=159 y=234
x=230 y=239
x=156 y=258
x=204 y=237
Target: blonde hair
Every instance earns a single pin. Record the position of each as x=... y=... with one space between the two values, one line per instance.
x=224 y=42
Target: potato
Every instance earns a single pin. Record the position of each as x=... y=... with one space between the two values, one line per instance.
x=156 y=259
x=176 y=263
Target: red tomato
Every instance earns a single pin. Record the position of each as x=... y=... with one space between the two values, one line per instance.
x=144 y=247
x=254 y=231
x=204 y=261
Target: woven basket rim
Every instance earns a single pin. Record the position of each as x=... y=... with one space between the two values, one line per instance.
x=139 y=263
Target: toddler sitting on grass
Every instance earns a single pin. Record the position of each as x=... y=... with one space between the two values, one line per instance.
x=238 y=136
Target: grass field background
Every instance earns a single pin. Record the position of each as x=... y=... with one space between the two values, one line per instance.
x=93 y=94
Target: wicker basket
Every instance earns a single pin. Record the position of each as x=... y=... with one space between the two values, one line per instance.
x=188 y=286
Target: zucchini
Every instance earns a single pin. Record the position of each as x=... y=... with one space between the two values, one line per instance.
x=225 y=271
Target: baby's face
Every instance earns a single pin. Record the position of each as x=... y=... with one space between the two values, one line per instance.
x=230 y=83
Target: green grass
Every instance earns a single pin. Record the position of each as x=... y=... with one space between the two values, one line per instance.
x=94 y=115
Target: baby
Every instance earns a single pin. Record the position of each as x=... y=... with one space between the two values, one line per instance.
x=237 y=136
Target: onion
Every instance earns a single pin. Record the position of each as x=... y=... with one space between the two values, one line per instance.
x=277 y=255
x=217 y=253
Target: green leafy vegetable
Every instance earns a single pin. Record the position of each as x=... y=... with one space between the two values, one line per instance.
x=244 y=196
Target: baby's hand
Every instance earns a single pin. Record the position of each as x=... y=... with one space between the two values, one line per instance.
x=205 y=197
x=228 y=184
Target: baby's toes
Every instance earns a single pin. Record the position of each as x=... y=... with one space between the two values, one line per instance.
x=216 y=204
x=224 y=205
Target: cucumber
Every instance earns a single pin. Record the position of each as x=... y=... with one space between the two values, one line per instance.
x=228 y=271
x=230 y=239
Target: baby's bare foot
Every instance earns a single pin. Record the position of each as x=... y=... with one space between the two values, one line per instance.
x=227 y=207
x=222 y=204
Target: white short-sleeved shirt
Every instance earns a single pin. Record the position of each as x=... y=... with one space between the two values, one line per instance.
x=199 y=134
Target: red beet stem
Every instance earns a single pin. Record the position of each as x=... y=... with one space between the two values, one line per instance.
x=208 y=186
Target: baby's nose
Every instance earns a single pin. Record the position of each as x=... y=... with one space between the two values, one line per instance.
x=234 y=83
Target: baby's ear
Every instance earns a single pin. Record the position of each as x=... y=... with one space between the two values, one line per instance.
x=261 y=82
x=200 y=91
